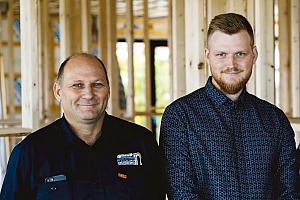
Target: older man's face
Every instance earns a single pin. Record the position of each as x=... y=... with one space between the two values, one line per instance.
x=83 y=90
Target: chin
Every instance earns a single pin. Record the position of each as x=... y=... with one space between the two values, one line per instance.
x=87 y=120
x=88 y=116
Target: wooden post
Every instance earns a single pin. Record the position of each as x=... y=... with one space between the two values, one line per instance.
x=29 y=64
x=10 y=57
x=250 y=14
x=102 y=32
x=52 y=111
x=3 y=90
x=178 y=49
x=75 y=26
x=130 y=41
x=64 y=25
x=170 y=45
x=86 y=32
x=112 y=66
x=237 y=6
x=295 y=63
x=147 y=66
x=215 y=7
x=46 y=62
x=3 y=96
x=2 y=79
x=285 y=55
x=264 y=34
x=195 y=37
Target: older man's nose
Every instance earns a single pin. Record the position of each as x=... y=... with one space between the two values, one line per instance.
x=88 y=92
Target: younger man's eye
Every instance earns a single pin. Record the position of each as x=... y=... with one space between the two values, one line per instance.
x=220 y=55
x=241 y=54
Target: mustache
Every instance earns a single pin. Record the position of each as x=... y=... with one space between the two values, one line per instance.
x=231 y=69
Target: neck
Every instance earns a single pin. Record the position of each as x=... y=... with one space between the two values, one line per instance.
x=88 y=132
x=233 y=97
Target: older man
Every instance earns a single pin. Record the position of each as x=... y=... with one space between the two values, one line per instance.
x=86 y=154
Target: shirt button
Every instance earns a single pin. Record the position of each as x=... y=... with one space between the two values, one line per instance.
x=53 y=188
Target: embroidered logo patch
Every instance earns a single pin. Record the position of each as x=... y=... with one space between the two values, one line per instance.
x=129 y=159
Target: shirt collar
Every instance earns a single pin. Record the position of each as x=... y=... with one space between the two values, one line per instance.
x=70 y=135
x=221 y=99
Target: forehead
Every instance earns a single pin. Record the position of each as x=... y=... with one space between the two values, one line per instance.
x=83 y=67
x=220 y=39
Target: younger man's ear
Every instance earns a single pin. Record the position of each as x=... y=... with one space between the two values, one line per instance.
x=206 y=55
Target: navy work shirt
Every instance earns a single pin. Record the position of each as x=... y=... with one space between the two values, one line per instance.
x=53 y=163
x=215 y=148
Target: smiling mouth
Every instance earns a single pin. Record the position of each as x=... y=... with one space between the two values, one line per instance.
x=87 y=105
x=233 y=72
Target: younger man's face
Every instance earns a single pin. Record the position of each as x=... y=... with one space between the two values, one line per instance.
x=231 y=58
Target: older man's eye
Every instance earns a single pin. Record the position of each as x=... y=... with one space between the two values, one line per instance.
x=98 y=85
x=77 y=85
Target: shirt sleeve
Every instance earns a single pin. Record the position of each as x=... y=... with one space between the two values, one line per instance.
x=16 y=185
x=287 y=166
x=156 y=189
x=181 y=180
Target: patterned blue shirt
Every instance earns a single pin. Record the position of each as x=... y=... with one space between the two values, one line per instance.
x=215 y=148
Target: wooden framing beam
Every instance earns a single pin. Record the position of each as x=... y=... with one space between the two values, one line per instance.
x=2 y=80
x=65 y=28
x=86 y=25
x=214 y=7
x=171 y=47
x=264 y=34
x=47 y=64
x=10 y=58
x=148 y=95
x=112 y=66
x=237 y=6
x=285 y=56
x=250 y=14
x=102 y=32
x=195 y=39
x=29 y=64
x=178 y=49
x=130 y=110
x=14 y=132
x=295 y=60
x=75 y=26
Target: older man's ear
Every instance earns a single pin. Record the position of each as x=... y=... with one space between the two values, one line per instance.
x=56 y=91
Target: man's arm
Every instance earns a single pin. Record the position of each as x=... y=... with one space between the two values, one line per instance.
x=155 y=170
x=15 y=185
x=287 y=166
x=174 y=144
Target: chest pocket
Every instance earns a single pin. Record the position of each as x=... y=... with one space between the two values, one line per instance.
x=54 y=191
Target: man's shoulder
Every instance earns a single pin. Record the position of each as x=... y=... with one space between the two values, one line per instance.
x=262 y=104
x=43 y=135
x=190 y=98
x=125 y=126
x=265 y=108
